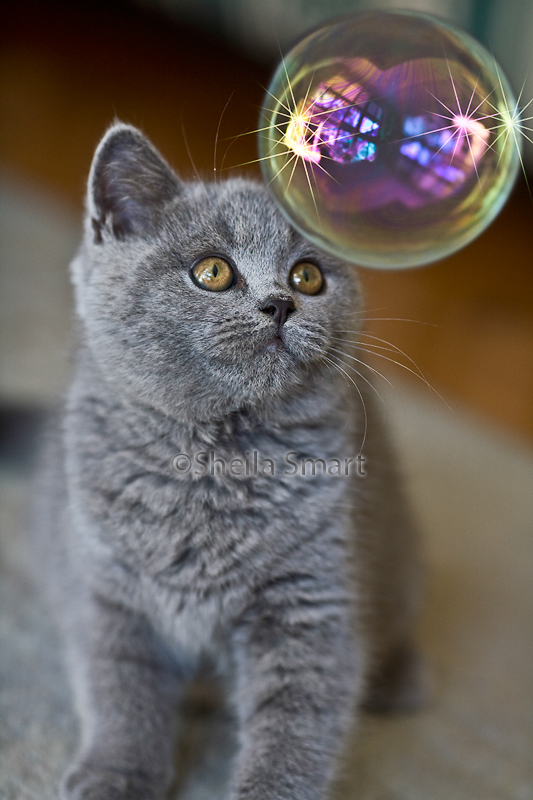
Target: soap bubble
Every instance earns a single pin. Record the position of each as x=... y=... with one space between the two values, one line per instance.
x=385 y=138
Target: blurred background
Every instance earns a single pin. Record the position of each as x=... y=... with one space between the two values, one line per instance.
x=181 y=69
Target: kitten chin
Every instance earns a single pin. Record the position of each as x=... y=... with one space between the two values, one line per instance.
x=208 y=325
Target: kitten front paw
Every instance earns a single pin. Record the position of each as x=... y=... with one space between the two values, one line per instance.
x=84 y=781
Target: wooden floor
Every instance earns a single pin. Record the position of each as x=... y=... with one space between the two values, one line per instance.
x=67 y=70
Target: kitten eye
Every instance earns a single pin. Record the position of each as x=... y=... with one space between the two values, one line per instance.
x=306 y=278
x=213 y=273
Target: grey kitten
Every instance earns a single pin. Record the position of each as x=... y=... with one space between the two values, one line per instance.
x=210 y=331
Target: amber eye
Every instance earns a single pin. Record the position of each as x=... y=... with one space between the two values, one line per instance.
x=213 y=273
x=306 y=277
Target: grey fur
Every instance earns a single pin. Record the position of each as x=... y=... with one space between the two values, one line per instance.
x=301 y=591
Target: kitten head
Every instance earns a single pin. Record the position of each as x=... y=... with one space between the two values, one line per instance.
x=200 y=299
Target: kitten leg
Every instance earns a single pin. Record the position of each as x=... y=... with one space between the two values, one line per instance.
x=126 y=692
x=297 y=678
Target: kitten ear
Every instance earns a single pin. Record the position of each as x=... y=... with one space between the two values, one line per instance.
x=129 y=184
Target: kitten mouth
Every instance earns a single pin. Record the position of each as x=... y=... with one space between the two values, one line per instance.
x=275 y=344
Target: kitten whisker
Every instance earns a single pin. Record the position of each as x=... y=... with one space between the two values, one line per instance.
x=349 y=377
x=200 y=181
x=416 y=374
x=314 y=340
x=392 y=347
x=217 y=133
x=351 y=366
x=324 y=357
x=236 y=331
x=394 y=319
x=236 y=321
x=368 y=366
x=240 y=330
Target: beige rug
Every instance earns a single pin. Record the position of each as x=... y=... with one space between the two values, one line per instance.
x=473 y=491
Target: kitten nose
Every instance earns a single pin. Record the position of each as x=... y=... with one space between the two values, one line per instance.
x=280 y=308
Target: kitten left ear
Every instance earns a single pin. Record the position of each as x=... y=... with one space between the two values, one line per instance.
x=129 y=184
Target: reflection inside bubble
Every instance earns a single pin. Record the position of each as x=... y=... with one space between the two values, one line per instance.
x=388 y=158
x=341 y=122
x=338 y=123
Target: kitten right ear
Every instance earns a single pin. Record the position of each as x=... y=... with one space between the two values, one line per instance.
x=129 y=184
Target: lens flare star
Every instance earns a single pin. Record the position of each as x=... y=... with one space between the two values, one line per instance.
x=511 y=124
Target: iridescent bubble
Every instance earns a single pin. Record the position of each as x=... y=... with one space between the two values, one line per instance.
x=385 y=138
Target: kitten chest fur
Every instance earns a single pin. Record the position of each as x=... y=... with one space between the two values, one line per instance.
x=193 y=551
